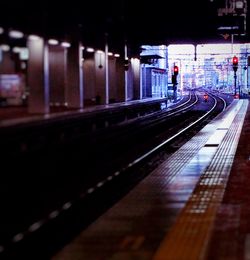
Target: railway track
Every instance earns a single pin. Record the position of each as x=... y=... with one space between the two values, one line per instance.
x=134 y=151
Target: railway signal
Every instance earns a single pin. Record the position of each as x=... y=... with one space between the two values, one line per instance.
x=235 y=63
x=235 y=67
x=174 y=76
x=174 y=80
x=176 y=70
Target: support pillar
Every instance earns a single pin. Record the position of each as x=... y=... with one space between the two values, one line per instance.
x=74 y=72
x=106 y=73
x=57 y=66
x=38 y=76
x=126 y=71
x=135 y=66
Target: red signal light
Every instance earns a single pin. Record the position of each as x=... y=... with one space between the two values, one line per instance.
x=176 y=70
x=235 y=61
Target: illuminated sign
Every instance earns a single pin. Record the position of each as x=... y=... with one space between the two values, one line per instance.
x=231 y=24
x=11 y=88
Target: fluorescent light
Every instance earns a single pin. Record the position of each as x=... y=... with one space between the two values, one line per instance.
x=15 y=34
x=33 y=37
x=5 y=47
x=117 y=55
x=65 y=44
x=16 y=49
x=90 y=49
x=110 y=53
x=53 y=42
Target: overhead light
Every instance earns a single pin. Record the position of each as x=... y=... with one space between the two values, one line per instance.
x=90 y=49
x=65 y=44
x=16 y=49
x=99 y=51
x=16 y=34
x=5 y=47
x=33 y=37
x=82 y=47
x=239 y=4
x=1 y=30
x=110 y=53
x=117 y=55
x=53 y=42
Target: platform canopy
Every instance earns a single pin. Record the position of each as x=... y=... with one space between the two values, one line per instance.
x=124 y=21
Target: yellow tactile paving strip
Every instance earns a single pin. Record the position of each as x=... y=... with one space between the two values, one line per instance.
x=189 y=237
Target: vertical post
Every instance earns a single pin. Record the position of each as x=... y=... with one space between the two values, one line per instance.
x=106 y=71
x=135 y=73
x=126 y=72
x=145 y=87
x=248 y=74
x=235 y=67
x=57 y=66
x=75 y=76
x=235 y=83
x=141 y=78
x=226 y=5
x=239 y=89
x=174 y=91
x=38 y=79
x=232 y=43
x=181 y=83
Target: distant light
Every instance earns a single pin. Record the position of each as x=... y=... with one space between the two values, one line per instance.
x=228 y=27
x=99 y=51
x=23 y=65
x=235 y=61
x=136 y=63
x=53 y=42
x=65 y=44
x=16 y=34
x=134 y=60
x=90 y=49
x=239 y=4
x=5 y=47
x=117 y=55
x=176 y=70
x=24 y=53
x=33 y=37
x=16 y=49
x=1 y=30
x=110 y=53
x=82 y=47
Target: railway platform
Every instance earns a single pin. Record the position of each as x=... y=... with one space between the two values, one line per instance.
x=12 y=115
x=194 y=205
